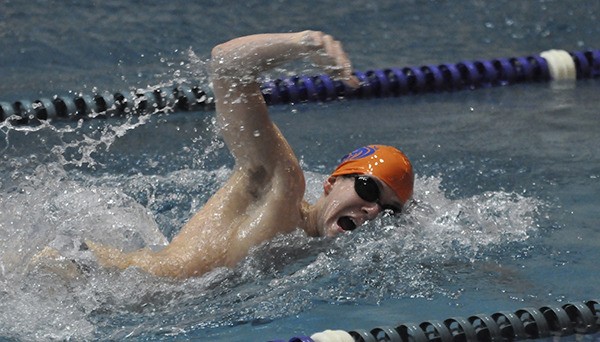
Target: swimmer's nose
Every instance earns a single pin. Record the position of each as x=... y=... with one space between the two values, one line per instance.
x=371 y=209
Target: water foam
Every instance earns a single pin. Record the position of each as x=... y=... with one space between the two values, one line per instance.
x=387 y=258
x=414 y=255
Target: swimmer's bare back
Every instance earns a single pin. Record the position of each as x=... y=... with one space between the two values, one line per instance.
x=264 y=195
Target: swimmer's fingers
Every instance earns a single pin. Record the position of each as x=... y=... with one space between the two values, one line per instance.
x=330 y=56
x=341 y=67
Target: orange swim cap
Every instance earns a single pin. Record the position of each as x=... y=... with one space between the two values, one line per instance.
x=384 y=162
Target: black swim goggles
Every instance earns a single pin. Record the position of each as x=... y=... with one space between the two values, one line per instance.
x=367 y=189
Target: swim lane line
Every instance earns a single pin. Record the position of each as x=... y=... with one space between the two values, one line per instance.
x=550 y=321
x=552 y=65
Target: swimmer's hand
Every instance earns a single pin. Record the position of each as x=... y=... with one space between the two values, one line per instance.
x=329 y=55
x=246 y=57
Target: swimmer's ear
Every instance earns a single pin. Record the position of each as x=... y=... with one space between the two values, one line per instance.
x=328 y=184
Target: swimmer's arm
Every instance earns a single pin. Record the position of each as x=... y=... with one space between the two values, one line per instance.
x=247 y=57
x=242 y=113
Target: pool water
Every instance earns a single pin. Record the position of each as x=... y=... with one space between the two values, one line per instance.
x=505 y=212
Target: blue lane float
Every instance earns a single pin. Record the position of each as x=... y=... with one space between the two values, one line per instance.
x=547 y=66
x=552 y=321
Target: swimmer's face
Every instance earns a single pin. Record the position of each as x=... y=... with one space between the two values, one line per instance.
x=350 y=201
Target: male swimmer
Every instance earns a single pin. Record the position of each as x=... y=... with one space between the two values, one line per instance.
x=264 y=195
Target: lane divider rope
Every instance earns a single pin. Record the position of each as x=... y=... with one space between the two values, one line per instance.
x=581 y=318
x=552 y=65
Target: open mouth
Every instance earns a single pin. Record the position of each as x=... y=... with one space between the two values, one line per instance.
x=346 y=223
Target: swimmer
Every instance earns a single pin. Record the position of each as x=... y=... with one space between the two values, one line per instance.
x=264 y=195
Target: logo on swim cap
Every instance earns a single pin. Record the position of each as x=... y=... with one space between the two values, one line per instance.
x=360 y=153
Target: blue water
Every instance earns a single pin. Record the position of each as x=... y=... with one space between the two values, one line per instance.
x=506 y=192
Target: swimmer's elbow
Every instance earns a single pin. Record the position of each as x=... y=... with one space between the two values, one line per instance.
x=226 y=60
x=218 y=52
